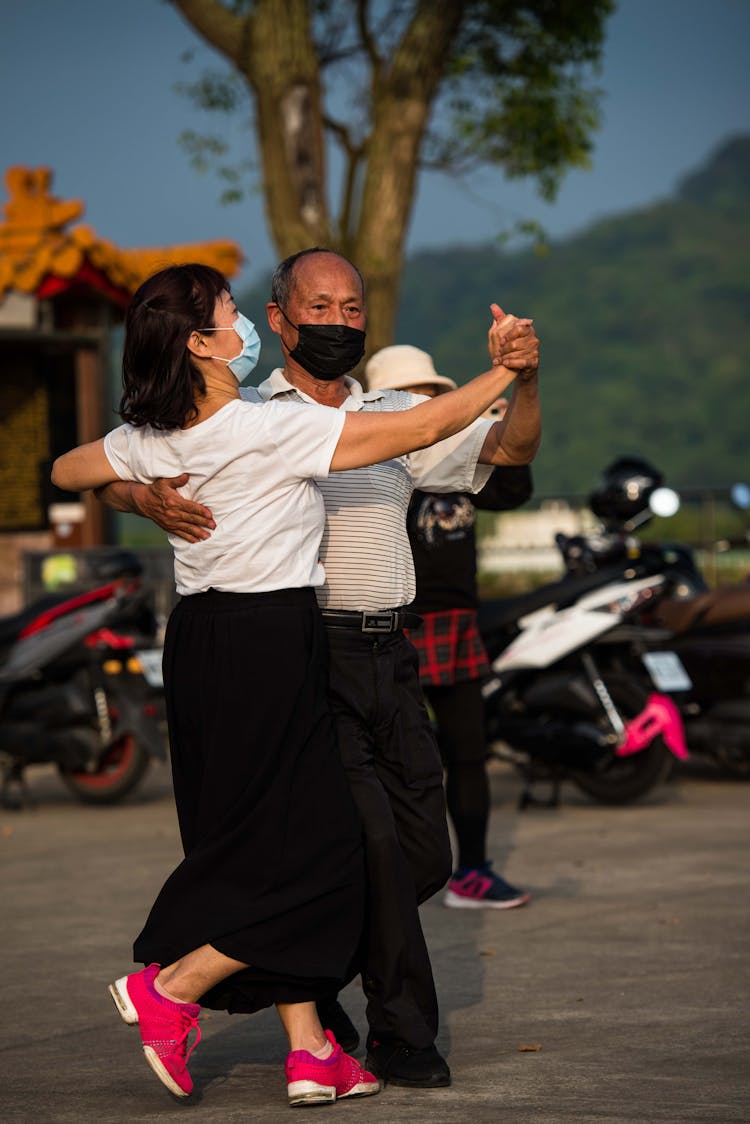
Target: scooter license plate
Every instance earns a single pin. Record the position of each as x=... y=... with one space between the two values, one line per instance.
x=667 y=671
x=150 y=660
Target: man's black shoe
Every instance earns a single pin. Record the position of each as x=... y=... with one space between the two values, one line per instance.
x=333 y=1017
x=397 y=1064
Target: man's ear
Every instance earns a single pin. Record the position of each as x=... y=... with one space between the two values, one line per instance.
x=273 y=315
x=197 y=345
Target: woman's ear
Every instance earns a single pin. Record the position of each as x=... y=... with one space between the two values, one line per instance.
x=197 y=345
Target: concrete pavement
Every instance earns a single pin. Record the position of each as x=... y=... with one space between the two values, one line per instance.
x=627 y=973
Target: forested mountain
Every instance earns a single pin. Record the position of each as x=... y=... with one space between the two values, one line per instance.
x=644 y=325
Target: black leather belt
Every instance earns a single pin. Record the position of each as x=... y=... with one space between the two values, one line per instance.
x=385 y=620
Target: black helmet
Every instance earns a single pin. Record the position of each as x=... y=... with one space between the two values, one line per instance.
x=624 y=490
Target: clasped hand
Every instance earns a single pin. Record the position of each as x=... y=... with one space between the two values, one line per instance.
x=513 y=343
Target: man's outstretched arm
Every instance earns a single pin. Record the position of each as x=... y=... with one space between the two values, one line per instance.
x=515 y=440
x=162 y=504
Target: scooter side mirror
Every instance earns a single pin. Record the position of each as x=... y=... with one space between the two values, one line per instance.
x=665 y=502
x=740 y=496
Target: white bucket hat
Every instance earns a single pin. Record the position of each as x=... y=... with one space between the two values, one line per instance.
x=393 y=368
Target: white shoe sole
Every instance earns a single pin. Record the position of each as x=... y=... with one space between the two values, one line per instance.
x=455 y=901
x=363 y=1089
x=119 y=992
x=310 y=1092
x=163 y=1074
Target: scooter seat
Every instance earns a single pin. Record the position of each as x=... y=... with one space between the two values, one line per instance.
x=504 y=611
x=722 y=606
x=12 y=626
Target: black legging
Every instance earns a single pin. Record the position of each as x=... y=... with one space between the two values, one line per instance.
x=459 y=713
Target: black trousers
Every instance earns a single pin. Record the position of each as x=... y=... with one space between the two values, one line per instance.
x=393 y=765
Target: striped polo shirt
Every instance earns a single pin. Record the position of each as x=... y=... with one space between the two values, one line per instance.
x=365 y=549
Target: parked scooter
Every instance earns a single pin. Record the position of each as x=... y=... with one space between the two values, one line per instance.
x=692 y=643
x=553 y=713
x=80 y=687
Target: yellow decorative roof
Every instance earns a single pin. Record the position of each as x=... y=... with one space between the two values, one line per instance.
x=39 y=256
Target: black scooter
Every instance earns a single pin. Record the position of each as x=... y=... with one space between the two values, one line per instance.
x=80 y=687
x=692 y=643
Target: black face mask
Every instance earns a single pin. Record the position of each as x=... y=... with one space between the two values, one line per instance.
x=327 y=351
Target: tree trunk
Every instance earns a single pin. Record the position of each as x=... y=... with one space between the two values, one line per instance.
x=282 y=70
x=387 y=200
x=272 y=49
x=403 y=93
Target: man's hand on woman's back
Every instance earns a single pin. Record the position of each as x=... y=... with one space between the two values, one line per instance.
x=162 y=504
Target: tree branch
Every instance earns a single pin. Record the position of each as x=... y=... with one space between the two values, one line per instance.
x=366 y=37
x=341 y=132
x=216 y=24
x=354 y=154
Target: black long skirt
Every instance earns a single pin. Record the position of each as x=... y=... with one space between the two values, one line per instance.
x=273 y=872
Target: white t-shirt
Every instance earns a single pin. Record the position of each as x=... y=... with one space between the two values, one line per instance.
x=365 y=549
x=251 y=464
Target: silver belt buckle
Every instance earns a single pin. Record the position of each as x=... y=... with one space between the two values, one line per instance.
x=379 y=622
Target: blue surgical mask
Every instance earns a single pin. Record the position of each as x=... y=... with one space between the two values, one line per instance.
x=247 y=360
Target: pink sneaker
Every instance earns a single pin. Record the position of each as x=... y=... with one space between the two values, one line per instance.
x=312 y=1081
x=164 y=1026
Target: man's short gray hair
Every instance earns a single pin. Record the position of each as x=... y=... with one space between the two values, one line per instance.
x=282 y=282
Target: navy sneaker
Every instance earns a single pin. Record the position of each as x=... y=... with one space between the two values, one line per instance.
x=480 y=888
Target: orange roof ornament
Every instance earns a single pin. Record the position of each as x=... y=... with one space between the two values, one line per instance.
x=39 y=256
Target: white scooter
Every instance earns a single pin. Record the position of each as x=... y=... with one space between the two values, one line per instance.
x=549 y=709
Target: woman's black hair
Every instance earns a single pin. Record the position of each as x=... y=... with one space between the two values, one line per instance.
x=159 y=380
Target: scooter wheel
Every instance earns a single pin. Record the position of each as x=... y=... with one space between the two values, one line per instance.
x=621 y=780
x=120 y=770
x=628 y=778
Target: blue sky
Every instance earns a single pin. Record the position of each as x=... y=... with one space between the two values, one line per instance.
x=88 y=90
